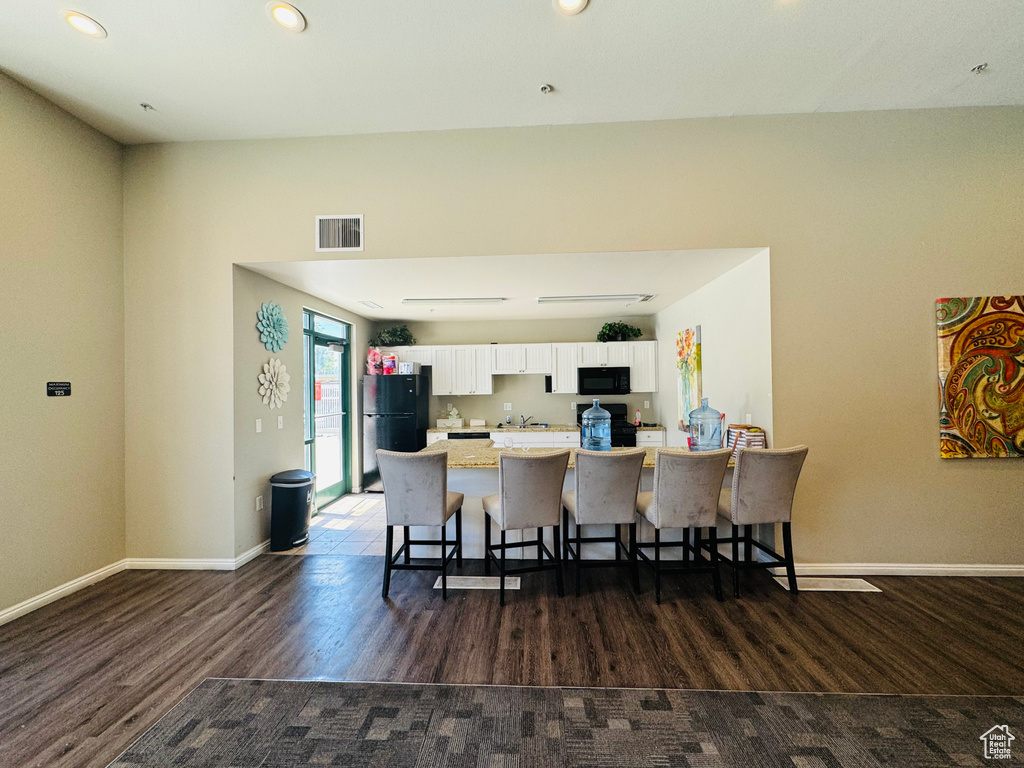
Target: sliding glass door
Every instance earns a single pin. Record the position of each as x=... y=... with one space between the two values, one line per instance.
x=328 y=411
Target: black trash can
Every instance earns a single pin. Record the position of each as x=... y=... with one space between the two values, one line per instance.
x=291 y=505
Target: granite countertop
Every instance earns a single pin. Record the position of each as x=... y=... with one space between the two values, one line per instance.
x=483 y=454
x=531 y=428
x=496 y=428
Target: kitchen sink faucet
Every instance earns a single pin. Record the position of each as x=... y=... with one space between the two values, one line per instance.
x=525 y=420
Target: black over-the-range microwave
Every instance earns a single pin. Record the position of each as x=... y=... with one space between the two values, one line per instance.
x=603 y=381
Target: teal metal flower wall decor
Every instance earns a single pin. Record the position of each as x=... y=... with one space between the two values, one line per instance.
x=273 y=326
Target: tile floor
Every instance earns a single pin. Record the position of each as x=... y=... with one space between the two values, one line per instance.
x=353 y=525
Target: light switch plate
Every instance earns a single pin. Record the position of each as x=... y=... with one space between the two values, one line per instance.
x=508 y=406
x=647 y=403
x=259 y=426
x=280 y=422
x=259 y=503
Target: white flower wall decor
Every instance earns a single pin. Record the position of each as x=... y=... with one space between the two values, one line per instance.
x=274 y=386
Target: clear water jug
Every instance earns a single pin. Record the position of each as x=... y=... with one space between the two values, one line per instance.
x=705 y=428
x=597 y=429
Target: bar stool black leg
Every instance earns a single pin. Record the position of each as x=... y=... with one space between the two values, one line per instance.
x=634 y=567
x=565 y=527
x=487 y=544
x=618 y=538
x=716 y=574
x=735 y=560
x=657 y=566
x=458 y=537
x=698 y=545
x=579 y=556
x=501 y=589
x=540 y=553
x=787 y=541
x=405 y=532
x=686 y=546
x=387 y=562
x=559 y=584
x=444 y=561
x=748 y=543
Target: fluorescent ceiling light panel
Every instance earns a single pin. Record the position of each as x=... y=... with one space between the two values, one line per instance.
x=371 y=304
x=426 y=302
x=638 y=298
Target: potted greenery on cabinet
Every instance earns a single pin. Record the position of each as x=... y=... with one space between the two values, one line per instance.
x=396 y=336
x=618 y=332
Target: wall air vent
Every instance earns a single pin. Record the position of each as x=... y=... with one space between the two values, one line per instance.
x=339 y=233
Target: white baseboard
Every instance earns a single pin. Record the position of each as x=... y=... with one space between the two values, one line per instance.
x=51 y=595
x=129 y=563
x=904 y=569
x=196 y=564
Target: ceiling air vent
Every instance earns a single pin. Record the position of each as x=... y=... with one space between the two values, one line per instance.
x=339 y=233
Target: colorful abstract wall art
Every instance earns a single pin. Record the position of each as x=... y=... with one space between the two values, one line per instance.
x=981 y=376
x=688 y=363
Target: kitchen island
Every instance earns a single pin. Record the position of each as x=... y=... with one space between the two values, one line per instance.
x=473 y=471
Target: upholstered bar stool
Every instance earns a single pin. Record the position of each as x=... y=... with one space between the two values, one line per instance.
x=606 y=485
x=529 y=496
x=763 y=486
x=416 y=493
x=686 y=492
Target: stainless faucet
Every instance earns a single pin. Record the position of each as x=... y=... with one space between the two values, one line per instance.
x=524 y=420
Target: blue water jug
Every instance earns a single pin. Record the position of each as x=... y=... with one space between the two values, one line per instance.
x=705 y=428
x=597 y=429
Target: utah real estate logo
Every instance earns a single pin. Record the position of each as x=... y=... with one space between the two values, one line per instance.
x=997 y=742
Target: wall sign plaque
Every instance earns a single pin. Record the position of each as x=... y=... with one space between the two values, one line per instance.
x=58 y=389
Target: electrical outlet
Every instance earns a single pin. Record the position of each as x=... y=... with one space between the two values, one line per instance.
x=647 y=403
x=259 y=503
x=449 y=409
x=280 y=422
x=748 y=418
x=573 y=406
x=259 y=426
x=508 y=406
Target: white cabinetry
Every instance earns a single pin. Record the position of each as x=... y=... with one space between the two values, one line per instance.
x=601 y=354
x=433 y=437
x=643 y=366
x=650 y=438
x=563 y=369
x=424 y=355
x=471 y=370
x=441 y=371
x=522 y=358
x=523 y=439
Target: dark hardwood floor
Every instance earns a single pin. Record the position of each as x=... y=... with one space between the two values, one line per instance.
x=82 y=678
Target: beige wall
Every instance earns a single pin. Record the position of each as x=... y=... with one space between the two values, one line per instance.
x=258 y=456
x=526 y=393
x=61 y=460
x=734 y=313
x=869 y=216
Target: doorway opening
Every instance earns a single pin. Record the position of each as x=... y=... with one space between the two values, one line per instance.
x=327 y=405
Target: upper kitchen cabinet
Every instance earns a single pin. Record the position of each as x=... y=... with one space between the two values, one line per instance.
x=521 y=358
x=643 y=366
x=424 y=355
x=600 y=354
x=441 y=371
x=563 y=369
x=471 y=370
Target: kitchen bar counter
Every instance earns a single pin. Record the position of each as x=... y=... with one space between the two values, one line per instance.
x=512 y=429
x=483 y=454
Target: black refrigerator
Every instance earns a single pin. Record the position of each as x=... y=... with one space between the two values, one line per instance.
x=395 y=417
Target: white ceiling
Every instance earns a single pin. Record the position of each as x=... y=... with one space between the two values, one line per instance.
x=223 y=70
x=670 y=275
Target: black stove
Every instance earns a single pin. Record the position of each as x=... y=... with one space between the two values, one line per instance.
x=623 y=430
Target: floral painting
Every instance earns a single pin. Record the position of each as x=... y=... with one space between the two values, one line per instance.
x=981 y=376
x=688 y=363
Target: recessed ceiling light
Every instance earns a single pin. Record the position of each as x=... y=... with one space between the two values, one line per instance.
x=288 y=16
x=570 y=7
x=85 y=25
